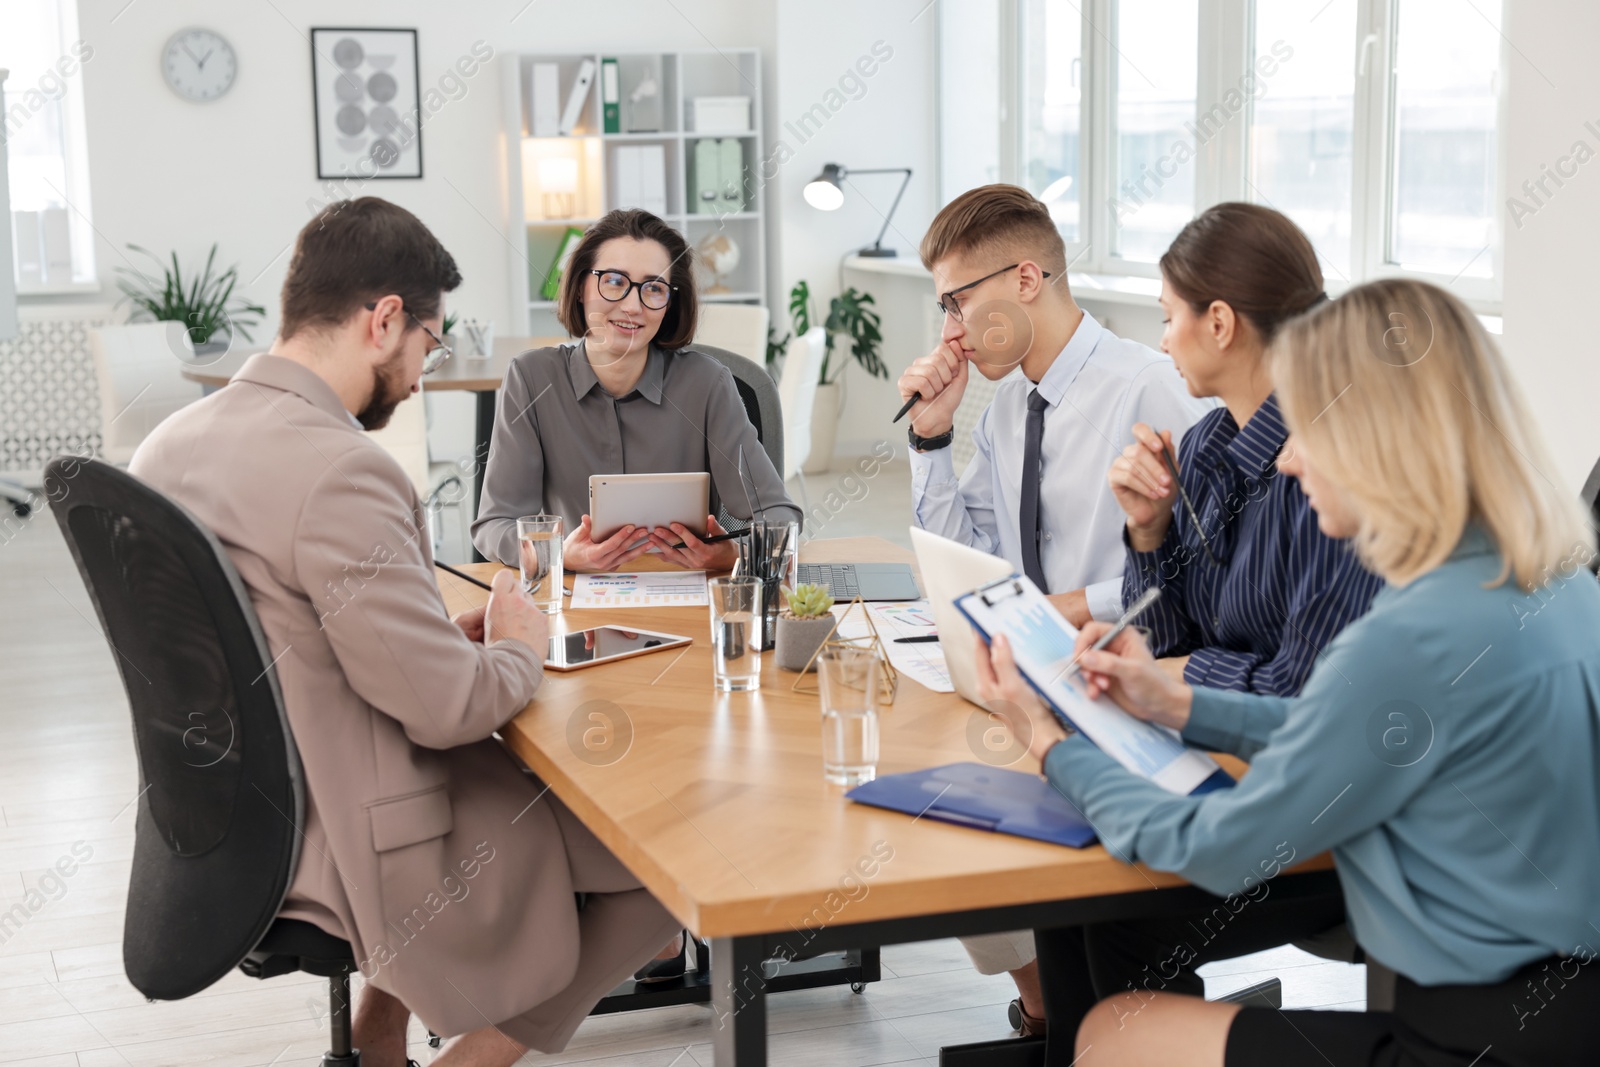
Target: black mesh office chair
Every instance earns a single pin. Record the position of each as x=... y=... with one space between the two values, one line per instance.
x=760 y=395
x=222 y=799
x=1591 y=500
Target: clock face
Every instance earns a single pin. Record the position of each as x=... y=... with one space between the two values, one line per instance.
x=198 y=64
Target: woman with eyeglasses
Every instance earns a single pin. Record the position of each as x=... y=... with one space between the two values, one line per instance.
x=1446 y=748
x=630 y=396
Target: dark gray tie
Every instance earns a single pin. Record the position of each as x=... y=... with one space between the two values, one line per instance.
x=1031 y=471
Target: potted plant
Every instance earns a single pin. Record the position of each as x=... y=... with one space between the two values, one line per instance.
x=448 y=334
x=803 y=626
x=204 y=303
x=851 y=314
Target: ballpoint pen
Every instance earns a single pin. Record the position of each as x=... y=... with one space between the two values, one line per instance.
x=463 y=575
x=1188 y=505
x=907 y=406
x=1137 y=608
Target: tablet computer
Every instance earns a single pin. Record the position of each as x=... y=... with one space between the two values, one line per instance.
x=602 y=644
x=1042 y=642
x=648 y=501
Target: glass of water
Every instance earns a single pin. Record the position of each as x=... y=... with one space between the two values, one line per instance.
x=735 y=618
x=848 y=678
x=539 y=539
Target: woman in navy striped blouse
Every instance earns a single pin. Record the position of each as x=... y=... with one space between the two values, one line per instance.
x=1254 y=591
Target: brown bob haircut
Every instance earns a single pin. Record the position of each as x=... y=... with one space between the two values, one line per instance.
x=1251 y=258
x=996 y=222
x=356 y=251
x=683 y=312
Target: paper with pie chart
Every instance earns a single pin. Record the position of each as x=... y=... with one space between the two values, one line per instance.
x=643 y=589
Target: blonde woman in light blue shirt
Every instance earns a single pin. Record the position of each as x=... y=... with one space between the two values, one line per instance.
x=1446 y=748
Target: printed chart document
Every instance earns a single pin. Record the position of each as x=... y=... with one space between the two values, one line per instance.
x=644 y=589
x=922 y=661
x=1042 y=642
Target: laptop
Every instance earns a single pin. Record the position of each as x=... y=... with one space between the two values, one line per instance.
x=952 y=570
x=869 y=581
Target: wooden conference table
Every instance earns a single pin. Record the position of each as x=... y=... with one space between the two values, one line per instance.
x=459 y=373
x=717 y=803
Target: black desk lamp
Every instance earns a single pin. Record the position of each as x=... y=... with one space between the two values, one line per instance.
x=825 y=192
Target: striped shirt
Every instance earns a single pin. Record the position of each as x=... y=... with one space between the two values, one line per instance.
x=1256 y=620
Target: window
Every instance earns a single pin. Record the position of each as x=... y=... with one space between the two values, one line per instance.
x=1441 y=206
x=1156 y=79
x=1303 y=120
x=1052 y=110
x=52 y=241
x=970 y=94
x=1371 y=123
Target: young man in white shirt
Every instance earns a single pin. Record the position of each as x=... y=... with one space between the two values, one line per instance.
x=1035 y=492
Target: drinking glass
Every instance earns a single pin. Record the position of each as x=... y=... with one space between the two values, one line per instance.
x=735 y=612
x=848 y=678
x=539 y=553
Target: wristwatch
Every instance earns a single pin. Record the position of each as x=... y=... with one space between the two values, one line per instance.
x=929 y=444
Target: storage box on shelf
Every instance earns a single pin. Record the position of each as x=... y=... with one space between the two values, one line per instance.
x=676 y=133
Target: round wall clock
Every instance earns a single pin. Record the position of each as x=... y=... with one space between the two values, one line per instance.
x=198 y=64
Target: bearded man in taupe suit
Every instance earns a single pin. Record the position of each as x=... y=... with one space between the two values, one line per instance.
x=451 y=873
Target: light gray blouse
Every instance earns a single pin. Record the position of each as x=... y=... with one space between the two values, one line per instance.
x=556 y=425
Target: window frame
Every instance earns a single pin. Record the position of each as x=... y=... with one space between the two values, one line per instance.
x=75 y=159
x=1225 y=43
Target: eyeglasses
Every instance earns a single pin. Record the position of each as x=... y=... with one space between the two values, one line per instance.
x=437 y=354
x=947 y=303
x=653 y=293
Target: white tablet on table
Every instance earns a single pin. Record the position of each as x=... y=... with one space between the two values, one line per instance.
x=648 y=501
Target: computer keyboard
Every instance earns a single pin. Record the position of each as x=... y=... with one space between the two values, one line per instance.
x=840 y=578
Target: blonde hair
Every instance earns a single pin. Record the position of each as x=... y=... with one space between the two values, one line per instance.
x=1404 y=402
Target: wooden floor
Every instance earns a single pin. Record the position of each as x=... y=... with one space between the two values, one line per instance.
x=67 y=782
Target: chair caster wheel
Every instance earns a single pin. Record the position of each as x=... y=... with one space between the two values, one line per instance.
x=21 y=511
x=434 y=1040
x=858 y=987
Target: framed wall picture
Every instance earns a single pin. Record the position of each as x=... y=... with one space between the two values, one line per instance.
x=365 y=93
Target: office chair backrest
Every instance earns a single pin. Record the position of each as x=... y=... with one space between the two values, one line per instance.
x=760 y=395
x=1591 y=500
x=138 y=369
x=217 y=834
x=797 y=389
x=737 y=328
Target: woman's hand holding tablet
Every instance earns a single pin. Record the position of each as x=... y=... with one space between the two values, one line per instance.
x=581 y=552
x=695 y=555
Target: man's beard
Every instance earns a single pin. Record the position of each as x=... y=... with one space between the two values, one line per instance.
x=388 y=392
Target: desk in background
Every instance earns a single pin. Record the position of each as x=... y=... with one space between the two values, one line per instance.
x=716 y=802
x=459 y=373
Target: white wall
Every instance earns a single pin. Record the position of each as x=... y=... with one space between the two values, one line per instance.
x=1550 y=262
x=890 y=123
x=171 y=175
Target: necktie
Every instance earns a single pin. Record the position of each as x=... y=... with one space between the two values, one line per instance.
x=1031 y=472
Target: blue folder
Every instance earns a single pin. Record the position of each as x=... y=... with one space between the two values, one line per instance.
x=987 y=798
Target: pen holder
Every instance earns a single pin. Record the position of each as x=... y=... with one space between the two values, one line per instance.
x=769 y=554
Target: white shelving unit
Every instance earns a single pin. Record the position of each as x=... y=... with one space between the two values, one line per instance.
x=536 y=236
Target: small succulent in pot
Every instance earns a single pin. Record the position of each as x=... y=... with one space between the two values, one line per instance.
x=803 y=626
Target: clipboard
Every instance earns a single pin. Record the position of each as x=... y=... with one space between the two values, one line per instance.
x=1042 y=642
x=983 y=798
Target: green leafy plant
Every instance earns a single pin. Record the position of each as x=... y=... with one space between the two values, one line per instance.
x=449 y=325
x=851 y=314
x=204 y=303
x=808 y=601
x=776 y=347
